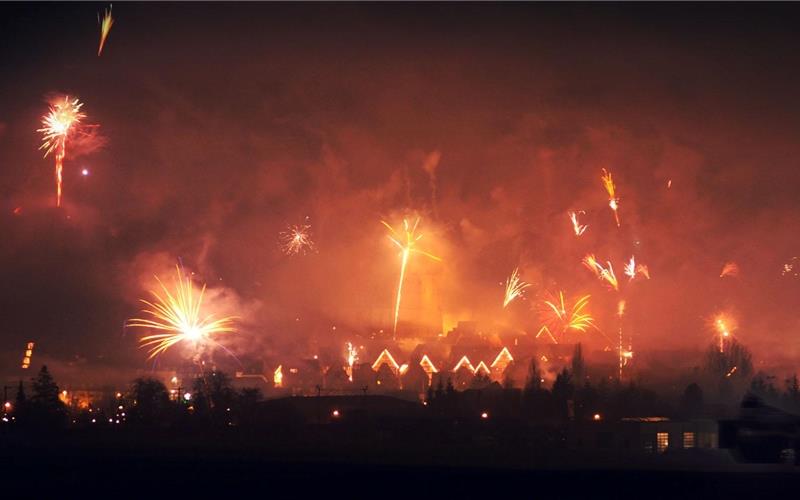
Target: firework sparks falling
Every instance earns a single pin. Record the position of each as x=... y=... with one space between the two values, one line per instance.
x=58 y=125
x=630 y=268
x=514 y=287
x=178 y=315
x=297 y=240
x=577 y=226
x=561 y=319
x=611 y=189
x=105 y=28
x=604 y=273
x=730 y=269
x=352 y=357
x=407 y=244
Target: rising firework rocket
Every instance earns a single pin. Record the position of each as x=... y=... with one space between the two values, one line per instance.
x=613 y=201
x=179 y=316
x=407 y=245
x=514 y=287
x=105 y=28
x=61 y=122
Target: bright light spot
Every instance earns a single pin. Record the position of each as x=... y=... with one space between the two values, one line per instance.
x=119 y=394
x=335 y=413
x=85 y=172
x=7 y=405
x=187 y=396
x=596 y=416
x=484 y=415
x=94 y=420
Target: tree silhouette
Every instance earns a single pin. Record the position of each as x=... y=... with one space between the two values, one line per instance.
x=735 y=361
x=44 y=408
x=151 y=404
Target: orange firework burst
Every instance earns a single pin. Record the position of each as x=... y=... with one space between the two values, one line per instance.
x=63 y=119
x=105 y=28
x=577 y=226
x=514 y=287
x=631 y=270
x=407 y=244
x=560 y=319
x=730 y=269
x=611 y=189
x=603 y=273
x=178 y=315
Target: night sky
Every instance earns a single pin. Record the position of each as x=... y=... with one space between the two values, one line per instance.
x=220 y=124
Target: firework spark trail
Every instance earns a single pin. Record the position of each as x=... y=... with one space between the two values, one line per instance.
x=611 y=189
x=352 y=357
x=603 y=273
x=407 y=245
x=514 y=287
x=58 y=125
x=297 y=239
x=730 y=269
x=576 y=226
x=178 y=315
x=105 y=28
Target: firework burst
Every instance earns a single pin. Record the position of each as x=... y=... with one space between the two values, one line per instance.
x=611 y=189
x=406 y=240
x=297 y=240
x=514 y=287
x=58 y=125
x=559 y=318
x=105 y=28
x=178 y=314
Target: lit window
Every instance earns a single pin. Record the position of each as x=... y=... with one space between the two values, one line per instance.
x=662 y=441
x=688 y=439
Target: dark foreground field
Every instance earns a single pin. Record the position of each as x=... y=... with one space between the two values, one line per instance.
x=118 y=465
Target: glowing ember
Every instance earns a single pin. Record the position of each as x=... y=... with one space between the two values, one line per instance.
x=407 y=245
x=58 y=125
x=178 y=314
x=576 y=226
x=105 y=28
x=514 y=288
x=613 y=201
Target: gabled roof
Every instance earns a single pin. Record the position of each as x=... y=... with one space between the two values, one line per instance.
x=385 y=358
x=482 y=366
x=464 y=362
x=428 y=365
x=503 y=356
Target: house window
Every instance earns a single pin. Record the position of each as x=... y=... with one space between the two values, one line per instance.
x=688 y=440
x=662 y=441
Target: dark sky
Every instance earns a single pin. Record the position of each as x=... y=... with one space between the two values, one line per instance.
x=223 y=123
